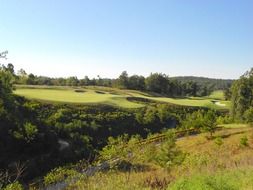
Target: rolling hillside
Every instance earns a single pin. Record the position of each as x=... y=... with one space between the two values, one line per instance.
x=223 y=162
x=115 y=97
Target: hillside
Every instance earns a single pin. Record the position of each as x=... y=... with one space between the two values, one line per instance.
x=82 y=134
x=126 y=95
x=216 y=84
x=115 y=97
x=221 y=163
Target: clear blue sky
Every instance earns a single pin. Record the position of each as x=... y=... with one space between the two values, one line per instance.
x=212 y=38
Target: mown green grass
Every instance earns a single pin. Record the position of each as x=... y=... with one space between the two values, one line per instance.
x=70 y=96
x=194 y=101
x=110 y=96
x=218 y=95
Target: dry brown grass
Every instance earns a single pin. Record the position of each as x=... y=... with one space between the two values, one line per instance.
x=202 y=156
x=205 y=155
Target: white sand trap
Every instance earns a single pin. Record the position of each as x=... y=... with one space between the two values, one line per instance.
x=220 y=104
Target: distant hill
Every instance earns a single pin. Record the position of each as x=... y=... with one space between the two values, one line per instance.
x=216 y=84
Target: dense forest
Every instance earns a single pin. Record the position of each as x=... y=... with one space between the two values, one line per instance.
x=155 y=82
x=36 y=137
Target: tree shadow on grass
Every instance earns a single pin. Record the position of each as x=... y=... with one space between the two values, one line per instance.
x=229 y=135
x=99 y=92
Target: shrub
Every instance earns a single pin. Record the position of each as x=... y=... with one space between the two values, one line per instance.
x=194 y=120
x=116 y=148
x=218 y=141
x=14 y=186
x=169 y=155
x=31 y=131
x=124 y=149
x=244 y=141
x=59 y=174
x=224 y=120
x=248 y=115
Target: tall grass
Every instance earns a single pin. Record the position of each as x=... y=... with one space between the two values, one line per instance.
x=207 y=165
x=225 y=180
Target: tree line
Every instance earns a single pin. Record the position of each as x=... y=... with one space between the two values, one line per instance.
x=156 y=82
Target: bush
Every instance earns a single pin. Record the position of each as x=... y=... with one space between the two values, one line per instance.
x=248 y=115
x=194 y=120
x=169 y=155
x=218 y=141
x=244 y=141
x=224 y=120
x=116 y=148
x=30 y=131
x=14 y=186
x=59 y=174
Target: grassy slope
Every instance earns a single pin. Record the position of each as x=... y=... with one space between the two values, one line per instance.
x=218 y=95
x=103 y=95
x=212 y=166
x=69 y=95
x=206 y=166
